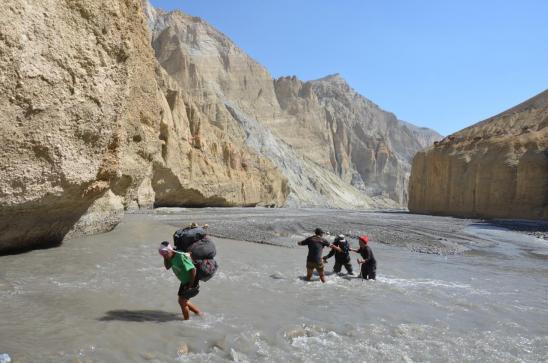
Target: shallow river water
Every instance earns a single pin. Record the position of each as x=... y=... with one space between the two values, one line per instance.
x=107 y=298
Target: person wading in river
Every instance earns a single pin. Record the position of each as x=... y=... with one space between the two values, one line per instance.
x=369 y=264
x=314 y=260
x=341 y=250
x=182 y=266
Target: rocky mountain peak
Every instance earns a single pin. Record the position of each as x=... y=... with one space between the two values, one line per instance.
x=365 y=150
x=333 y=78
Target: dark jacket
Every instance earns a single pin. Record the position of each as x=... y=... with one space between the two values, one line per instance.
x=342 y=257
x=315 y=247
x=367 y=255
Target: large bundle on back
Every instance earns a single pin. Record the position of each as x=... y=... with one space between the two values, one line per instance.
x=194 y=240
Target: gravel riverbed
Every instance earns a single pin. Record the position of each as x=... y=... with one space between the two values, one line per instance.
x=285 y=227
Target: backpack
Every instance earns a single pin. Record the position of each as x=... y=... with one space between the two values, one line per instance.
x=203 y=249
x=205 y=268
x=184 y=238
x=345 y=246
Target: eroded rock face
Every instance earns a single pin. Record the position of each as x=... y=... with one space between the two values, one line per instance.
x=95 y=122
x=201 y=165
x=364 y=145
x=77 y=81
x=90 y=127
x=497 y=168
x=336 y=148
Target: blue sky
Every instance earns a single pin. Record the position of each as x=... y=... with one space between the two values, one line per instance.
x=435 y=63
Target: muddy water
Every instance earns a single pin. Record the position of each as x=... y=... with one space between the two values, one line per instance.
x=107 y=298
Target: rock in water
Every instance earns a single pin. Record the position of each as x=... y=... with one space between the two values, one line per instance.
x=183 y=349
x=497 y=168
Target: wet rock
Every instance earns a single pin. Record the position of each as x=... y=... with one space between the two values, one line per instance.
x=183 y=349
x=220 y=344
x=81 y=360
x=149 y=356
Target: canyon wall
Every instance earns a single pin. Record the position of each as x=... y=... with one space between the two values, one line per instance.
x=77 y=83
x=497 y=168
x=364 y=145
x=336 y=148
x=91 y=126
x=113 y=106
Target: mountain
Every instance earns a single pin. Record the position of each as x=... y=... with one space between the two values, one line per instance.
x=336 y=148
x=113 y=106
x=497 y=168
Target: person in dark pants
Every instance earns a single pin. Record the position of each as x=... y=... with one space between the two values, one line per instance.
x=341 y=250
x=182 y=266
x=314 y=260
x=369 y=264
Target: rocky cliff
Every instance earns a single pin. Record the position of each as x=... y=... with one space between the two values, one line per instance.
x=104 y=110
x=497 y=168
x=336 y=148
x=77 y=84
x=91 y=126
x=364 y=145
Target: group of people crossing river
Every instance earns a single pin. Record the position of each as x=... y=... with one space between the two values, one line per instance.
x=341 y=249
x=191 y=258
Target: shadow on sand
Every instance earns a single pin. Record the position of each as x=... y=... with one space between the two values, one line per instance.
x=157 y=316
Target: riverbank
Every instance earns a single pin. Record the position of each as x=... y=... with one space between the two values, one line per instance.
x=284 y=227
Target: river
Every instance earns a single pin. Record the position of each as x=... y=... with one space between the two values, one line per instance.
x=107 y=298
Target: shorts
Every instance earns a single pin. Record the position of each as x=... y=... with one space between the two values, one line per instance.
x=187 y=292
x=310 y=265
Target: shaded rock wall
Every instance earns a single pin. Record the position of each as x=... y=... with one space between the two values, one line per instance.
x=497 y=168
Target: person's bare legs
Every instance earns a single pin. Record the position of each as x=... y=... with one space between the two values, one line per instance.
x=309 y=274
x=194 y=309
x=322 y=276
x=184 y=308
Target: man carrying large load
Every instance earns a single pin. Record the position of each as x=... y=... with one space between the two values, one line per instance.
x=181 y=265
x=194 y=240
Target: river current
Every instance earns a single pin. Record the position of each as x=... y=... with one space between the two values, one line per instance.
x=107 y=298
